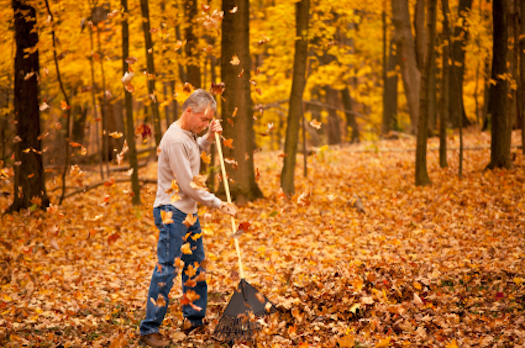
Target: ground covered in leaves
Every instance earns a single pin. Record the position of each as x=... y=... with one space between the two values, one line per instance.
x=439 y=266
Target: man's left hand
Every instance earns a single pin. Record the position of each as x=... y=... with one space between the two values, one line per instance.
x=215 y=127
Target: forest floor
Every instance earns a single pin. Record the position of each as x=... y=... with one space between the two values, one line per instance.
x=435 y=266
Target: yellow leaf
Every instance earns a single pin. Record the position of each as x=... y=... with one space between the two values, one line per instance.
x=228 y=143
x=186 y=249
x=235 y=60
x=116 y=135
x=205 y=158
x=347 y=341
x=452 y=344
x=190 y=220
x=199 y=183
x=323 y=148
x=166 y=217
x=383 y=343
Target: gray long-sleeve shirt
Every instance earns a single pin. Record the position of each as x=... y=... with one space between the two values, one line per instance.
x=179 y=159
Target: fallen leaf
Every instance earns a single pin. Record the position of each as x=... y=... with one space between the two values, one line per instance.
x=316 y=124
x=189 y=220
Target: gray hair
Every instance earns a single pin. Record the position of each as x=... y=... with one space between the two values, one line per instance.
x=199 y=100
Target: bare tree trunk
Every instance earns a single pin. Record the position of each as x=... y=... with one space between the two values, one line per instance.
x=151 y=70
x=235 y=41
x=302 y=9
x=390 y=92
x=500 y=145
x=29 y=175
x=192 y=54
x=407 y=58
x=350 y=117
x=334 y=124
x=128 y=100
x=445 y=77
x=94 y=102
x=422 y=178
x=421 y=36
x=522 y=74
x=104 y=109
x=457 y=68
x=182 y=73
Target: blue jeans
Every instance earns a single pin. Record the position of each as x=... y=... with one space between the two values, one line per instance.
x=171 y=238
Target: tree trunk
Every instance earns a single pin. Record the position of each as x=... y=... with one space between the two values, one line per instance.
x=501 y=127
x=192 y=53
x=422 y=178
x=407 y=58
x=432 y=99
x=128 y=101
x=302 y=9
x=79 y=124
x=421 y=36
x=151 y=70
x=522 y=74
x=390 y=92
x=445 y=77
x=182 y=73
x=235 y=41
x=94 y=102
x=350 y=117
x=29 y=175
x=457 y=68
x=334 y=124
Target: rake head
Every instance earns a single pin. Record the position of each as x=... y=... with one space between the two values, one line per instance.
x=235 y=324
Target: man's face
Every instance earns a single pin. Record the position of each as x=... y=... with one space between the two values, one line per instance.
x=199 y=121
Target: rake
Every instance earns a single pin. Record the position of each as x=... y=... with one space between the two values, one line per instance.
x=236 y=323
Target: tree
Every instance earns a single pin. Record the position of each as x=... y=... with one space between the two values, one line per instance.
x=389 y=83
x=350 y=116
x=130 y=127
x=501 y=125
x=29 y=185
x=457 y=68
x=295 y=112
x=522 y=73
x=150 y=70
x=407 y=58
x=445 y=82
x=235 y=43
x=422 y=178
x=192 y=56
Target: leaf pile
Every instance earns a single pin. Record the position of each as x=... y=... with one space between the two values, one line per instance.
x=437 y=266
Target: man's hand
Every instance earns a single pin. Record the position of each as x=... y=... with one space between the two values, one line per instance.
x=215 y=127
x=228 y=208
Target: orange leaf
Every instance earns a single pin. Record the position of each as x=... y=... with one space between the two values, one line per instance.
x=228 y=143
x=205 y=158
x=186 y=249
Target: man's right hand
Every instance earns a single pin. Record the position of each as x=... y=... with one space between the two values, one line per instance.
x=228 y=208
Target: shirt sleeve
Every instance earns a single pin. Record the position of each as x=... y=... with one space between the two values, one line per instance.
x=179 y=164
x=204 y=144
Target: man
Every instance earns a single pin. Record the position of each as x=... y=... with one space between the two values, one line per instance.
x=179 y=159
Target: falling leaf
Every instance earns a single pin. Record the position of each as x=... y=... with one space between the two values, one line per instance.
x=234 y=111
x=257 y=174
x=186 y=249
x=36 y=200
x=217 y=89
x=44 y=106
x=235 y=60
x=190 y=283
x=260 y=297
x=128 y=76
x=228 y=143
x=199 y=183
x=64 y=106
x=316 y=124
x=205 y=158
x=195 y=307
x=205 y=8
x=230 y=121
x=75 y=144
x=131 y=60
x=189 y=220
x=166 y=217
x=191 y=295
x=231 y=161
x=161 y=301
x=241 y=73
x=234 y=9
x=116 y=135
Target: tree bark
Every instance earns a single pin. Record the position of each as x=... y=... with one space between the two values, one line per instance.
x=390 y=92
x=192 y=54
x=128 y=101
x=235 y=41
x=29 y=175
x=457 y=68
x=334 y=124
x=302 y=9
x=522 y=73
x=422 y=178
x=445 y=76
x=350 y=117
x=407 y=58
x=420 y=34
x=151 y=70
x=501 y=127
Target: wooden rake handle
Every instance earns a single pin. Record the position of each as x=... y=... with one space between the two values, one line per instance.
x=229 y=199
